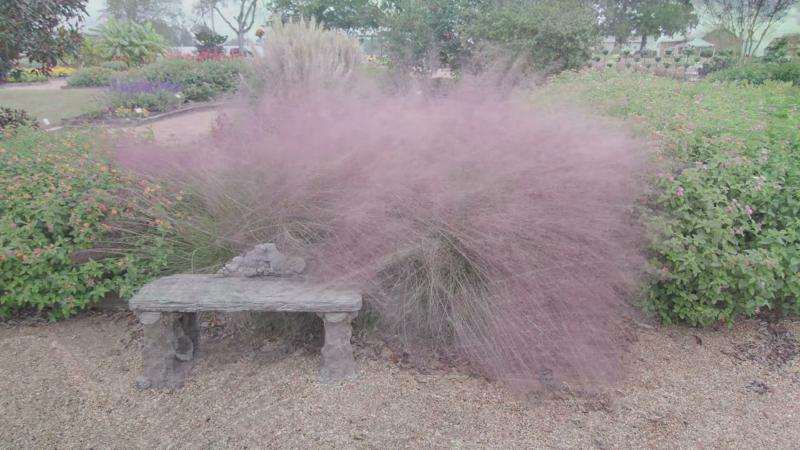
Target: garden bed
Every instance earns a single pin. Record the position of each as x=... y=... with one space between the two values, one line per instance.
x=109 y=120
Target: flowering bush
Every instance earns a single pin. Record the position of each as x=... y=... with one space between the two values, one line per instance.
x=62 y=71
x=13 y=118
x=146 y=95
x=58 y=201
x=203 y=56
x=726 y=216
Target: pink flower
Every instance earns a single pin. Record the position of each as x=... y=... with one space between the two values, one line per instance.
x=739 y=231
x=90 y=282
x=748 y=210
x=680 y=191
x=758 y=310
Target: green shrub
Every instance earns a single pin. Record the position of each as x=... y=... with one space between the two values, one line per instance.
x=760 y=73
x=208 y=40
x=25 y=75
x=132 y=43
x=147 y=95
x=92 y=77
x=725 y=221
x=114 y=65
x=14 y=118
x=783 y=49
x=199 y=80
x=58 y=198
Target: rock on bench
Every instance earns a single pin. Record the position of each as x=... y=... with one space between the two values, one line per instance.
x=168 y=307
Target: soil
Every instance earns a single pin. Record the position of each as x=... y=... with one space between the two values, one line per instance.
x=71 y=385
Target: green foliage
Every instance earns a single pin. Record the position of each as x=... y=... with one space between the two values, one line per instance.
x=59 y=198
x=91 y=76
x=760 y=73
x=428 y=33
x=208 y=40
x=44 y=31
x=145 y=95
x=90 y=54
x=348 y=15
x=25 y=75
x=199 y=80
x=621 y=18
x=117 y=66
x=540 y=32
x=14 y=118
x=132 y=43
x=725 y=219
x=783 y=49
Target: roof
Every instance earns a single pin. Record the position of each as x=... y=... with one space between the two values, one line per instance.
x=699 y=43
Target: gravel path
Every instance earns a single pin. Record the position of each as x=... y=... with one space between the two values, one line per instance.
x=71 y=385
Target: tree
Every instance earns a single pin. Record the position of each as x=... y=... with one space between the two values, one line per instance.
x=206 y=8
x=428 y=33
x=164 y=15
x=624 y=18
x=208 y=40
x=44 y=31
x=749 y=20
x=143 y=10
x=348 y=15
x=657 y=17
x=243 y=20
x=549 y=36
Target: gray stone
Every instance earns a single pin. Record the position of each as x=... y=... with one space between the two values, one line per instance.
x=193 y=293
x=169 y=344
x=168 y=307
x=338 y=363
x=263 y=260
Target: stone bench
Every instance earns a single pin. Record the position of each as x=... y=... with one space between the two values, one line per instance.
x=168 y=310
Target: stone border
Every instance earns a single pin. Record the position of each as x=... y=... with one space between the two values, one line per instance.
x=145 y=121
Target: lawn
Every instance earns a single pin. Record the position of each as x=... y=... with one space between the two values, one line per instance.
x=51 y=104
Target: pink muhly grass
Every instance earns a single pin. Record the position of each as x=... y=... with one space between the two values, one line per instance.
x=470 y=222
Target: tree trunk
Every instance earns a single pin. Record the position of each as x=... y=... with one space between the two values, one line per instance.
x=644 y=43
x=240 y=42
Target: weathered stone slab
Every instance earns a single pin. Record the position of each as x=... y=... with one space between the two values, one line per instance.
x=193 y=293
x=337 y=363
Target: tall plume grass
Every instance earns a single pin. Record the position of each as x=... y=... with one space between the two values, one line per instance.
x=305 y=55
x=471 y=221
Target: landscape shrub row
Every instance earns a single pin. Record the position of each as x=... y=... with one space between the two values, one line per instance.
x=725 y=219
x=59 y=198
x=760 y=73
x=164 y=84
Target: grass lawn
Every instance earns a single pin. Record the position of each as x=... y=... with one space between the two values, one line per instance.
x=52 y=104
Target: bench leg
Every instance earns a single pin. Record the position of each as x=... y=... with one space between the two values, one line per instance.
x=338 y=363
x=170 y=342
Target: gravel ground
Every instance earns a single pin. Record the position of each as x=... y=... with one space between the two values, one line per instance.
x=71 y=385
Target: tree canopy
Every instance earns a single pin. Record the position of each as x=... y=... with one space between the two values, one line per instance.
x=624 y=18
x=749 y=20
x=348 y=15
x=41 y=30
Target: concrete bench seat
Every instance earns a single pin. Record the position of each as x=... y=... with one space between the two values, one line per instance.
x=168 y=307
